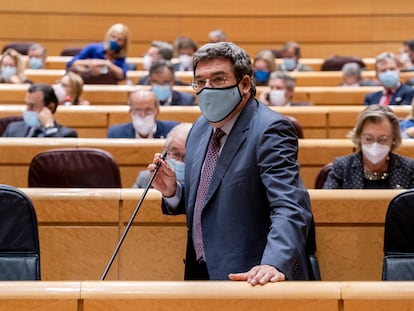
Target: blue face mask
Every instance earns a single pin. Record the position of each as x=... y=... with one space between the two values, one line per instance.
x=7 y=72
x=289 y=63
x=216 y=104
x=161 y=91
x=261 y=76
x=35 y=63
x=179 y=168
x=114 y=46
x=31 y=118
x=389 y=78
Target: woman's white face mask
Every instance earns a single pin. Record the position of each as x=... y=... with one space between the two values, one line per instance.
x=375 y=152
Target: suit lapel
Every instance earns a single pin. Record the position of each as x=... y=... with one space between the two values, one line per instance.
x=234 y=141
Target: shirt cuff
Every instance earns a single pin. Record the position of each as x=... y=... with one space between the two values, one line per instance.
x=172 y=202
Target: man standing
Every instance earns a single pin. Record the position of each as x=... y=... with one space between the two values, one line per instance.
x=38 y=121
x=143 y=109
x=248 y=212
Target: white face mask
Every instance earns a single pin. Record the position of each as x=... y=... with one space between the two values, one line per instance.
x=375 y=152
x=145 y=125
x=277 y=97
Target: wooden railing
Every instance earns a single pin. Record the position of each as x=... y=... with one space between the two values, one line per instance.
x=79 y=229
x=205 y=296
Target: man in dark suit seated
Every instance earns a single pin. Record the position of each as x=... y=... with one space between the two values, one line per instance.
x=38 y=118
x=143 y=109
x=388 y=73
x=162 y=79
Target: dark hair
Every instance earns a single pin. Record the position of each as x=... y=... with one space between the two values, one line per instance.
x=291 y=44
x=159 y=65
x=49 y=95
x=238 y=57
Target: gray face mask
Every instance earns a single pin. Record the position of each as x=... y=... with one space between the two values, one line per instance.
x=217 y=103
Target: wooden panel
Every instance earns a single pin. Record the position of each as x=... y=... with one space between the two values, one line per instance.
x=383 y=296
x=42 y=296
x=210 y=296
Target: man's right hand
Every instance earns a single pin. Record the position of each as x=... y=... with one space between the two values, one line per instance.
x=165 y=181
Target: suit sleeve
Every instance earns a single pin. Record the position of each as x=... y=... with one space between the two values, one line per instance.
x=289 y=202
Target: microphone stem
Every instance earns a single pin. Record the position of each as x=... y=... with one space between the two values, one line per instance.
x=128 y=226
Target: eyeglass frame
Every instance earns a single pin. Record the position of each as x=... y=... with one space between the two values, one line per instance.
x=382 y=140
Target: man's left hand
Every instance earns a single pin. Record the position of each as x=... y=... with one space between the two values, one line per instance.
x=259 y=275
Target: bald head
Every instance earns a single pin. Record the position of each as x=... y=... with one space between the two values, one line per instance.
x=142 y=103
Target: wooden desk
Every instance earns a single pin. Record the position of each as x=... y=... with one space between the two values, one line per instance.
x=134 y=155
x=207 y=295
x=79 y=228
x=316 y=121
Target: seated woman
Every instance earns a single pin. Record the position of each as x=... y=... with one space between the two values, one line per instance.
x=69 y=90
x=109 y=56
x=12 y=67
x=375 y=165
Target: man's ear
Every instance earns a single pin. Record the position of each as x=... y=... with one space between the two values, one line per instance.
x=245 y=82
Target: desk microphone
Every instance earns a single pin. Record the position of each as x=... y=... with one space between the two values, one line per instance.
x=121 y=240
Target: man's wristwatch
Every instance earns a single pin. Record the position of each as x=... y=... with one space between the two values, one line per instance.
x=50 y=129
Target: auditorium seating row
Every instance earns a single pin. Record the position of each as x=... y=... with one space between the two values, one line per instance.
x=206 y=296
x=90 y=296
x=134 y=155
x=79 y=229
x=354 y=28
x=118 y=94
x=312 y=78
x=316 y=121
x=59 y=62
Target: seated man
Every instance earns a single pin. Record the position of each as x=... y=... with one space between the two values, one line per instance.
x=38 y=121
x=388 y=73
x=37 y=54
x=143 y=109
x=175 y=147
x=291 y=58
x=162 y=80
x=281 y=90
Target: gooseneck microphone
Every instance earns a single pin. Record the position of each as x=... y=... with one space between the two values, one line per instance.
x=121 y=240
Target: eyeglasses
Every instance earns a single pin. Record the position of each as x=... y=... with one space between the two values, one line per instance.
x=368 y=139
x=216 y=82
x=176 y=156
x=138 y=112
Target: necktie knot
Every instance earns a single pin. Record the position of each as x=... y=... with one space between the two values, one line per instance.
x=218 y=134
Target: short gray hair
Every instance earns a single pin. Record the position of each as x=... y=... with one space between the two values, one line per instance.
x=285 y=77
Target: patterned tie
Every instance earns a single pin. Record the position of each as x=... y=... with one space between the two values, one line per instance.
x=205 y=178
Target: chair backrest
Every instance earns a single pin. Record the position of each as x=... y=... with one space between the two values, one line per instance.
x=336 y=62
x=21 y=47
x=322 y=175
x=74 y=168
x=70 y=51
x=19 y=240
x=296 y=125
x=399 y=238
x=4 y=122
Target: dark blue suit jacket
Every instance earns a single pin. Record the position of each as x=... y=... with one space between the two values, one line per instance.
x=254 y=190
x=403 y=96
x=182 y=99
x=126 y=130
x=21 y=129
